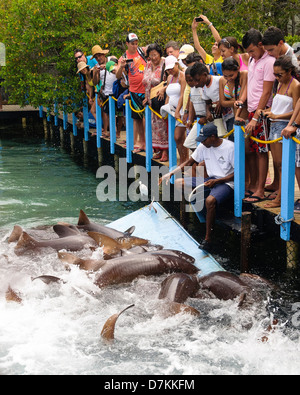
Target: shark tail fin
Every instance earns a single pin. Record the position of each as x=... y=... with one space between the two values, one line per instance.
x=12 y=296
x=15 y=234
x=83 y=218
x=108 y=330
x=26 y=241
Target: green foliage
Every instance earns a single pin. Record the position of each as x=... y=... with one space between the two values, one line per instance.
x=40 y=35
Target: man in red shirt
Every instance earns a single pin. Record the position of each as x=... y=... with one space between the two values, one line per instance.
x=133 y=62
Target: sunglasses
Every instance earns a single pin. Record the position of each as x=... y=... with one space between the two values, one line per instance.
x=78 y=57
x=225 y=41
x=279 y=75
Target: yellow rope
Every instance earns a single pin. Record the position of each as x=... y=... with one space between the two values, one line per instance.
x=224 y=137
x=265 y=142
x=157 y=114
x=228 y=134
x=296 y=140
x=137 y=111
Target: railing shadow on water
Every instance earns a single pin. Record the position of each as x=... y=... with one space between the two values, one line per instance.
x=286 y=216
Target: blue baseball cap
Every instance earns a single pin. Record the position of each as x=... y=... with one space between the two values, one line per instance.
x=208 y=130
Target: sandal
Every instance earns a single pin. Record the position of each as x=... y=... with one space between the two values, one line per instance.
x=248 y=193
x=272 y=196
x=254 y=199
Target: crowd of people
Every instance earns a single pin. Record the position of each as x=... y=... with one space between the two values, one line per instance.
x=256 y=82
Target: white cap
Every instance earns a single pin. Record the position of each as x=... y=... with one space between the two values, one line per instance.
x=170 y=62
x=185 y=50
x=132 y=37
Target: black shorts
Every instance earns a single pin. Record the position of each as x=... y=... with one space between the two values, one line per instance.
x=137 y=107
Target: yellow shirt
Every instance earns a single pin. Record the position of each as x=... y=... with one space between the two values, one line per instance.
x=209 y=59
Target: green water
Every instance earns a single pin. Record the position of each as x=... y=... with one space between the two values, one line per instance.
x=42 y=184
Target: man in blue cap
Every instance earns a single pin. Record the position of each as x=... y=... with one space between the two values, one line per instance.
x=218 y=157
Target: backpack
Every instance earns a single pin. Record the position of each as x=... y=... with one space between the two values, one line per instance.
x=215 y=68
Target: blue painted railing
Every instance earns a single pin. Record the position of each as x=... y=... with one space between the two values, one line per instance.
x=288 y=156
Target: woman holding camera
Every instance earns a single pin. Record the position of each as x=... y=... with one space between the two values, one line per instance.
x=153 y=76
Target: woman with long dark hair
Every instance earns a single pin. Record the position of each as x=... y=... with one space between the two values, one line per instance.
x=287 y=93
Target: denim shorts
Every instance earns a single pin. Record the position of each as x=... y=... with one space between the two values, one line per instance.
x=276 y=129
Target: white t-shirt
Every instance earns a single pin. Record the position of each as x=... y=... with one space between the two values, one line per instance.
x=212 y=92
x=219 y=161
x=199 y=104
x=109 y=81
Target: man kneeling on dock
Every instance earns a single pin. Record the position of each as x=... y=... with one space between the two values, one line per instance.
x=218 y=156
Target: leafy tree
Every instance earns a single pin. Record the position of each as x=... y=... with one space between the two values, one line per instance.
x=40 y=35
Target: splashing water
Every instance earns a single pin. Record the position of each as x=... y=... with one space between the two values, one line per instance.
x=56 y=329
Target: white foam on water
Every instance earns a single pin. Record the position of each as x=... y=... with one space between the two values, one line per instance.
x=56 y=329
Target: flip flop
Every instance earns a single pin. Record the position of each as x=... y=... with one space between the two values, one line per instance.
x=272 y=196
x=248 y=193
x=257 y=199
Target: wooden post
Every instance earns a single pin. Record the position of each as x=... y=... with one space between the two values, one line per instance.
x=129 y=132
x=86 y=119
x=98 y=122
x=172 y=145
x=239 y=168
x=148 y=133
x=112 y=124
x=55 y=114
x=74 y=120
x=287 y=187
x=245 y=241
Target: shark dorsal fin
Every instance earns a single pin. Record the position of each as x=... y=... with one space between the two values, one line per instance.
x=129 y=231
x=65 y=231
x=83 y=218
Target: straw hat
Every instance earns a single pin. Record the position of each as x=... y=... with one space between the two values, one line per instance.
x=81 y=66
x=97 y=49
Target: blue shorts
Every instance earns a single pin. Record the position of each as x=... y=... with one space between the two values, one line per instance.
x=221 y=192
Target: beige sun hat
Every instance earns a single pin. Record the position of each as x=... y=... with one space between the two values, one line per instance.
x=97 y=49
x=81 y=66
x=185 y=50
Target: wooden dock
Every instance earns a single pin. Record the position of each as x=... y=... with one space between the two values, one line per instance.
x=16 y=112
x=266 y=215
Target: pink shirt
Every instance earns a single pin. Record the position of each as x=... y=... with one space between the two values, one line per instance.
x=258 y=72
